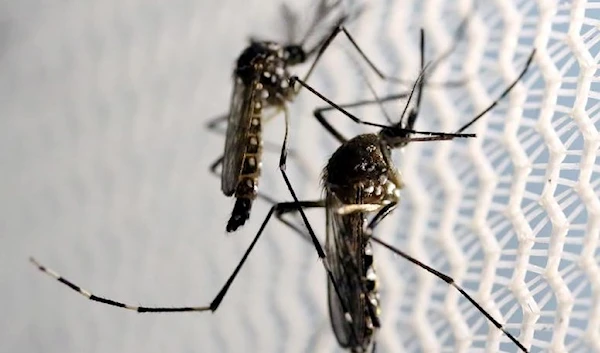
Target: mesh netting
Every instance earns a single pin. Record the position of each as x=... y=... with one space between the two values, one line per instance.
x=106 y=179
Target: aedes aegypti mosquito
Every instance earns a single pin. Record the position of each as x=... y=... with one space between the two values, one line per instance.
x=361 y=181
x=260 y=82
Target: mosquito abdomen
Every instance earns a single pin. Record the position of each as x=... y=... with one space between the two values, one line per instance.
x=240 y=214
x=247 y=187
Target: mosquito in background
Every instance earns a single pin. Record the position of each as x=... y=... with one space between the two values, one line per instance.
x=260 y=82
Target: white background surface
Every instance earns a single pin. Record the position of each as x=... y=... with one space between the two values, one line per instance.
x=105 y=159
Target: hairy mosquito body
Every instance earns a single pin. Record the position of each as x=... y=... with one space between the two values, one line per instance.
x=261 y=82
x=362 y=186
x=359 y=181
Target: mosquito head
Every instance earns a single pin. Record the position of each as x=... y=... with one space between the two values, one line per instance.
x=394 y=133
x=363 y=164
x=295 y=54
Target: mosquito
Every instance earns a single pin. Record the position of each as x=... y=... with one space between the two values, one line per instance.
x=261 y=81
x=360 y=181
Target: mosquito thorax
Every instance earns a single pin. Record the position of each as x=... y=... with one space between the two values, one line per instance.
x=363 y=164
x=272 y=59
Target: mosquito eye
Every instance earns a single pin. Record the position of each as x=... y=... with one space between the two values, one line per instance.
x=296 y=54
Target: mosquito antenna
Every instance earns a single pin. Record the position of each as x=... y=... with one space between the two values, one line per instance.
x=412 y=115
x=412 y=91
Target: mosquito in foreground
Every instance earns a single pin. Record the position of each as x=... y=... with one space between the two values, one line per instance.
x=361 y=181
x=260 y=82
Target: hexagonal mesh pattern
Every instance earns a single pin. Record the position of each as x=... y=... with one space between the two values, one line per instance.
x=106 y=179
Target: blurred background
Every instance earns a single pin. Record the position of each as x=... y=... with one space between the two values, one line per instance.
x=104 y=177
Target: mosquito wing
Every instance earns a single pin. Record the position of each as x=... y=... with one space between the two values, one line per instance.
x=238 y=125
x=345 y=246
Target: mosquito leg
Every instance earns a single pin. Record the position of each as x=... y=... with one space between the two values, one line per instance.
x=215 y=165
x=294 y=206
x=322 y=46
x=322 y=10
x=384 y=212
x=318 y=113
x=293 y=209
x=282 y=164
x=352 y=117
x=279 y=208
x=364 y=56
x=452 y=283
x=336 y=106
x=318 y=247
x=272 y=146
x=304 y=204
x=274 y=209
x=304 y=235
x=508 y=89
x=215 y=124
x=460 y=31
x=341 y=29
x=412 y=116
x=282 y=210
x=313 y=237
x=107 y=301
x=292 y=153
x=267 y=145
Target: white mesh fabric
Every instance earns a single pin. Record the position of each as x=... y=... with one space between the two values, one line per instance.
x=105 y=179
